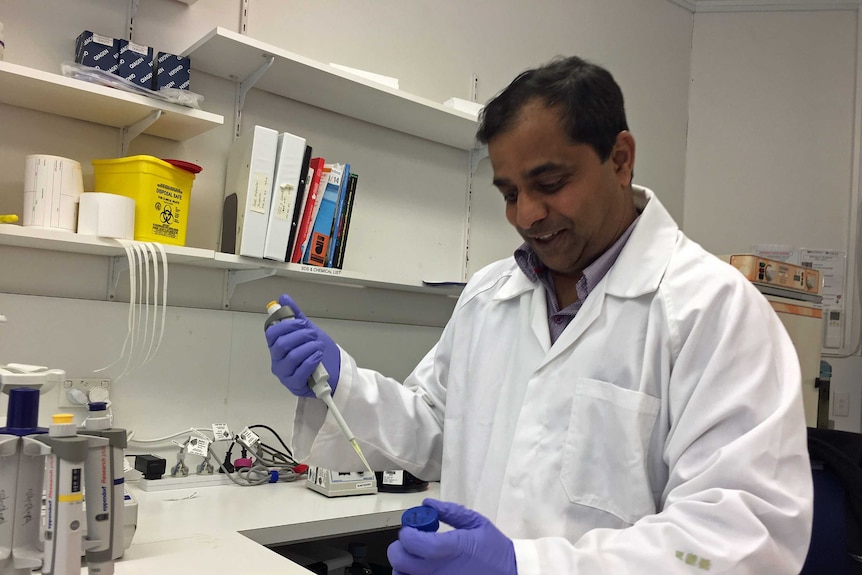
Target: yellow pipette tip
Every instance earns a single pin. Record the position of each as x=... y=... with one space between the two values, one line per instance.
x=8 y=218
x=356 y=448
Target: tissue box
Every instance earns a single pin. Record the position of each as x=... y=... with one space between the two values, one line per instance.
x=172 y=71
x=96 y=51
x=136 y=63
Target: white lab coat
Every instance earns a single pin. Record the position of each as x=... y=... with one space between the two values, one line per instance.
x=663 y=432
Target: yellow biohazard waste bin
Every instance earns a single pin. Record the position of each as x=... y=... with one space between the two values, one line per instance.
x=161 y=191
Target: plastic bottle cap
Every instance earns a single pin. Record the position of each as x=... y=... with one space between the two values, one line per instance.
x=62 y=418
x=98 y=406
x=272 y=306
x=423 y=518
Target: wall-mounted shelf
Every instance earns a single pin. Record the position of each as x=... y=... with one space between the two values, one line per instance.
x=230 y=55
x=57 y=94
x=62 y=241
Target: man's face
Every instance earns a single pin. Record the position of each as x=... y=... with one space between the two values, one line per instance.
x=563 y=200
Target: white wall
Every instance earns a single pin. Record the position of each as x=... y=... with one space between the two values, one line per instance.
x=770 y=142
x=213 y=364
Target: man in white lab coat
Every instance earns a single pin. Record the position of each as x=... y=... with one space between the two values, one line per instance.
x=612 y=399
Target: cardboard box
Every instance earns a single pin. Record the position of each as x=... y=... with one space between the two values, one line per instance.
x=136 y=63
x=97 y=51
x=172 y=71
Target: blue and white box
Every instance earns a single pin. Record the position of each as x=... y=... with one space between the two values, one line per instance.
x=172 y=71
x=136 y=63
x=97 y=51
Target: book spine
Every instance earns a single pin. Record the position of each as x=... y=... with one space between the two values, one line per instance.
x=305 y=221
x=336 y=220
x=344 y=226
x=321 y=189
x=318 y=244
x=301 y=195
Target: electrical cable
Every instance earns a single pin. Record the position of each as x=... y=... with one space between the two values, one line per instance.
x=131 y=434
x=265 y=459
x=277 y=436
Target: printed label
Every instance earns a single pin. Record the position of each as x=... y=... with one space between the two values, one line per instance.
x=259 y=193
x=104 y=40
x=198 y=446
x=319 y=249
x=138 y=48
x=284 y=199
x=221 y=432
x=394 y=477
x=248 y=437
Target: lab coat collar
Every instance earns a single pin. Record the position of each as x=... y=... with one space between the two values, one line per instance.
x=645 y=257
x=642 y=262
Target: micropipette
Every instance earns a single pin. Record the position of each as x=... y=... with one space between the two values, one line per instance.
x=319 y=380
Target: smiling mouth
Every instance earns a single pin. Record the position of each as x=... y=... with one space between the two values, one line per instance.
x=546 y=237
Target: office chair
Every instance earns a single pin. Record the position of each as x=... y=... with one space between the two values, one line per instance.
x=836 y=538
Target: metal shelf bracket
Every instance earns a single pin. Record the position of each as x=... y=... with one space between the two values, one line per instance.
x=234 y=278
x=116 y=266
x=129 y=133
x=244 y=86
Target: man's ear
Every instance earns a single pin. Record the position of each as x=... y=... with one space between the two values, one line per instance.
x=623 y=157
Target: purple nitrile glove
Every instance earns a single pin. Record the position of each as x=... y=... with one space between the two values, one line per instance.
x=296 y=347
x=474 y=546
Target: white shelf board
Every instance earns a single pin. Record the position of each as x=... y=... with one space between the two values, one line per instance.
x=57 y=94
x=62 y=241
x=316 y=274
x=227 y=54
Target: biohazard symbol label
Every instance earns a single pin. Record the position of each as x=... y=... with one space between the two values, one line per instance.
x=167 y=215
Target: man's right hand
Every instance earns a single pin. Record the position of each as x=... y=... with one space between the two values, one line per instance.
x=296 y=347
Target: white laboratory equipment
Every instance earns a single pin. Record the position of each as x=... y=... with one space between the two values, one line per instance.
x=45 y=483
x=795 y=293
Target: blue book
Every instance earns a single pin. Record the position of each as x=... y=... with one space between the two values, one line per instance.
x=321 y=233
x=339 y=211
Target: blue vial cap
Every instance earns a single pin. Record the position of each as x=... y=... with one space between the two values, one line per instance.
x=22 y=413
x=98 y=406
x=423 y=518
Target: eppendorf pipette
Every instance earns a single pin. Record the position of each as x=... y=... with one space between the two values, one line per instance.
x=319 y=380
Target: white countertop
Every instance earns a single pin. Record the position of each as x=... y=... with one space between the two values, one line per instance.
x=224 y=528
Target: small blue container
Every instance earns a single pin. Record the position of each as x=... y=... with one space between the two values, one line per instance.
x=423 y=518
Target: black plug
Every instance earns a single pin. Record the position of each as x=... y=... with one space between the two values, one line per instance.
x=151 y=466
x=226 y=466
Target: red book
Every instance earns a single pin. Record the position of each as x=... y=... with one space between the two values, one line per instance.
x=308 y=212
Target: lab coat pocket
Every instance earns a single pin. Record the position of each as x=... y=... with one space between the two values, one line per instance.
x=604 y=462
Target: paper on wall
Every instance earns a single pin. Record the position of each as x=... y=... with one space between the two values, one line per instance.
x=777 y=252
x=832 y=266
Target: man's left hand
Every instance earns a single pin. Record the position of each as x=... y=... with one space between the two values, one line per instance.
x=474 y=546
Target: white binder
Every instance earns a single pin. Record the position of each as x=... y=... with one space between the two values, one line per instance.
x=248 y=192
x=288 y=168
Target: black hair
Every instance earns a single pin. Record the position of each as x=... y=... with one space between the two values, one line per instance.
x=588 y=98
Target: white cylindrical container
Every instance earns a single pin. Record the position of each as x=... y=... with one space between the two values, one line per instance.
x=52 y=188
x=106 y=215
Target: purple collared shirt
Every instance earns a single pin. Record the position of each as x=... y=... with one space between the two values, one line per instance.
x=535 y=270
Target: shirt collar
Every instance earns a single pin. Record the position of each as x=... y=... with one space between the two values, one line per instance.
x=537 y=272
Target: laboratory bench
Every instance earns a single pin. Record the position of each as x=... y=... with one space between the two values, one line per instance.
x=227 y=528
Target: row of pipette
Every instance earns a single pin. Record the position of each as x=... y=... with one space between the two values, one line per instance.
x=70 y=468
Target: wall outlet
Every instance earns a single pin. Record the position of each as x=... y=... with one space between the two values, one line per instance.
x=841 y=405
x=79 y=392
